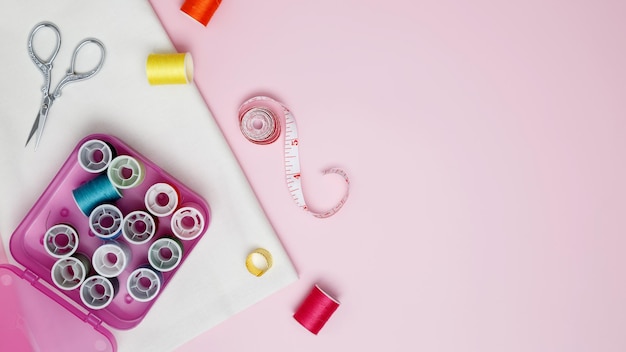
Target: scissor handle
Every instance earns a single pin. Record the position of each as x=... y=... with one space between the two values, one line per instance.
x=73 y=76
x=44 y=65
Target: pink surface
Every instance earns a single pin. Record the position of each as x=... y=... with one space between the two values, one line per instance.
x=485 y=145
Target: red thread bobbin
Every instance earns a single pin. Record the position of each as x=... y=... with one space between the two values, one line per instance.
x=315 y=310
x=200 y=10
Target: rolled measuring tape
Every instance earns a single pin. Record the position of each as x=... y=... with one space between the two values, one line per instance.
x=126 y=172
x=165 y=254
x=315 y=310
x=144 y=284
x=60 y=240
x=200 y=10
x=259 y=261
x=69 y=273
x=176 y=68
x=105 y=221
x=97 y=292
x=138 y=227
x=94 y=155
x=97 y=191
x=260 y=122
x=187 y=223
x=110 y=259
x=161 y=199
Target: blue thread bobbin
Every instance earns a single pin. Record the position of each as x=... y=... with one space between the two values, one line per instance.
x=98 y=191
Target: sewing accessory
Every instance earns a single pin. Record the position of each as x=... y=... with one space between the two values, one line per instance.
x=61 y=240
x=105 y=221
x=161 y=199
x=187 y=223
x=45 y=66
x=138 y=227
x=259 y=261
x=97 y=292
x=69 y=273
x=144 y=284
x=97 y=191
x=260 y=124
x=200 y=10
x=174 y=68
x=126 y=172
x=165 y=254
x=94 y=156
x=110 y=259
x=315 y=310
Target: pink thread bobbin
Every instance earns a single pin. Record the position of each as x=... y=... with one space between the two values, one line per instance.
x=315 y=310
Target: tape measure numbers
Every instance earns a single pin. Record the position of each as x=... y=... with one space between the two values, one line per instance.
x=260 y=122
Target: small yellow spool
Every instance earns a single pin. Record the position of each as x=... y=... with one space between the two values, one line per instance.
x=169 y=68
x=259 y=261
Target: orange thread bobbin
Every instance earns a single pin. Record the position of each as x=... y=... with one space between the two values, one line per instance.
x=200 y=10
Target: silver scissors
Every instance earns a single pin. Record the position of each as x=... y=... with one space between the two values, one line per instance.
x=45 y=66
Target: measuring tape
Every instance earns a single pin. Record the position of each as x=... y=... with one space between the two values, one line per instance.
x=259 y=123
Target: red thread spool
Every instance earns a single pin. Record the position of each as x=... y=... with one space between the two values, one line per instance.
x=315 y=310
x=200 y=10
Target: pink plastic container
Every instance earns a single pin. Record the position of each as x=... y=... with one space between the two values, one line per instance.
x=57 y=205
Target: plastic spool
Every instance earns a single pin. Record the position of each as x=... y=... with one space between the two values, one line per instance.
x=61 y=240
x=161 y=199
x=144 y=284
x=95 y=155
x=138 y=227
x=70 y=272
x=187 y=223
x=110 y=259
x=105 y=221
x=125 y=172
x=97 y=291
x=165 y=254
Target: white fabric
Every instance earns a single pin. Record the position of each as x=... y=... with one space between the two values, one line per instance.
x=170 y=125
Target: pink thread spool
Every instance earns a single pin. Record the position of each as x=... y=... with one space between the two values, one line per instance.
x=315 y=310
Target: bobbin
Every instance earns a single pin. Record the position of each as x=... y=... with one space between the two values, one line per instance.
x=125 y=172
x=95 y=155
x=165 y=254
x=138 y=227
x=110 y=259
x=61 y=240
x=144 y=284
x=97 y=291
x=69 y=273
x=187 y=223
x=176 y=68
x=97 y=191
x=161 y=199
x=105 y=221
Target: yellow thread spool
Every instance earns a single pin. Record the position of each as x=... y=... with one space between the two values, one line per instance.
x=252 y=261
x=169 y=68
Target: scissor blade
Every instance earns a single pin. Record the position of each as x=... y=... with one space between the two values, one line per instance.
x=40 y=125
x=33 y=130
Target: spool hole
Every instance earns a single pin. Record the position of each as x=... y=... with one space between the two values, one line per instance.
x=107 y=221
x=165 y=253
x=188 y=222
x=111 y=259
x=97 y=156
x=144 y=283
x=68 y=273
x=162 y=199
x=126 y=173
x=139 y=226
x=97 y=291
x=61 y=240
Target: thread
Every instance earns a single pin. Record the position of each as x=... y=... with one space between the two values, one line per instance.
x=97 y=191
x=315 y=310
x=259 y=261
x=126 y=172
x=165 y=254
x=174 y=68
x=200 y=10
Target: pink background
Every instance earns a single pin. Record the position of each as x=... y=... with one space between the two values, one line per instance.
x=485 y=145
